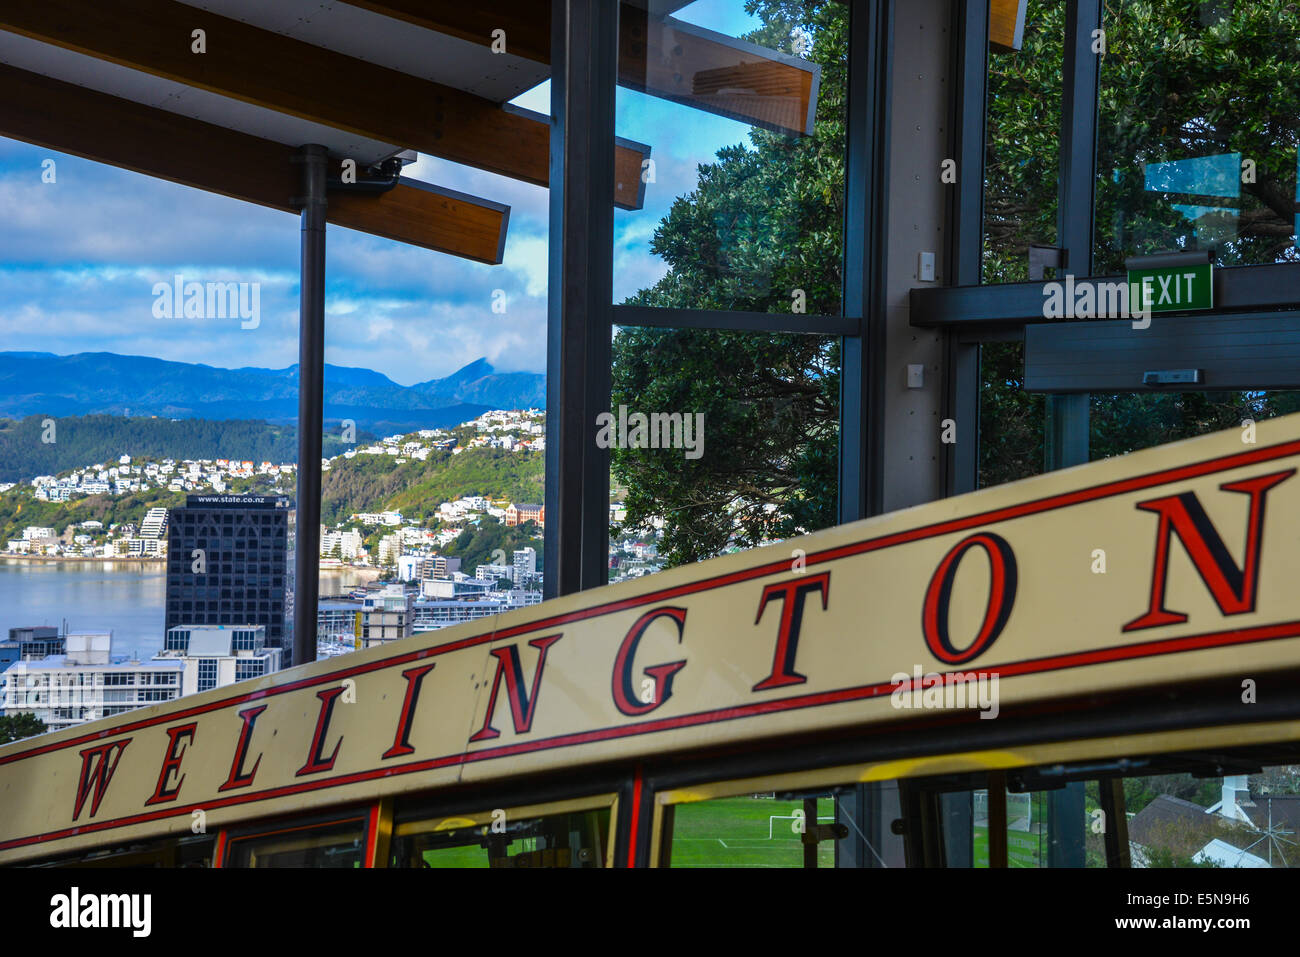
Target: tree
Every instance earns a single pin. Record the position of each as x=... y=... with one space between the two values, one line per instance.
x=766 y=218
x=18 y=726
x=1188 y=92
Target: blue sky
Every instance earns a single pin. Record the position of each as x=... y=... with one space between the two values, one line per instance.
x=79 y=257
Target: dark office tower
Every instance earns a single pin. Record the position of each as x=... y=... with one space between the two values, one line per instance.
x=227 y=561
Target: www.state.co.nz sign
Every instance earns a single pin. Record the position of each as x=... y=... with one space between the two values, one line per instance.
x=1198 y=541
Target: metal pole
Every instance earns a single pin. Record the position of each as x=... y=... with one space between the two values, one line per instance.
x=584 y=61
x=862 y=356
x=311 y=379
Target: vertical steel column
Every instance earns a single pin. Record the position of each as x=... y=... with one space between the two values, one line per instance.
x=970 y=32
x=865 y=192
x=862 y=357
x=584 y=61
x=1067 y=415
x=311 y=379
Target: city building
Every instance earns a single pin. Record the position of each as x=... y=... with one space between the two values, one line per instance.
x=214 y=656
x=494 y=573
x=517 y=514
x=456 y=587
x=31 y=642
x=525 y=565
x=386 y=616
x=432 y=613
x=154 y=524
x=338 y=620
x=86 y=682
x=439 y=566
x=228 y=565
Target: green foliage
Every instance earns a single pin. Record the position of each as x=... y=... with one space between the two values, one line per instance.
x=18 y=726
x=1166 y=857
x=91 y=439
x=19 y=508
x=1172 y=87
x=518 y=476
x=1141 y=791
x=475 y=545
x=774 y=423
x=1022 y=140
x=1178 y=84
x=373 y=483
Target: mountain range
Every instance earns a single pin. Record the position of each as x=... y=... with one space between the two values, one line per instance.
x=42 y=383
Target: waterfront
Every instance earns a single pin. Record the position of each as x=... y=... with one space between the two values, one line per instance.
x=98 y=596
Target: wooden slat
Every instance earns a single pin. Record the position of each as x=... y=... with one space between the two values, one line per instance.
x=107 y=129
x=708 y=71
x=664 y=58
x=286 y=75
x=527 y=23
x=425 y=215
x=629 y=155
x=1006 y=25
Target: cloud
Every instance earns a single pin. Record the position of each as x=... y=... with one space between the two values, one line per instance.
x=79 y=258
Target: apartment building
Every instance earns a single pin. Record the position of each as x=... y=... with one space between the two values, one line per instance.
x=214 y=656
x=86 y=682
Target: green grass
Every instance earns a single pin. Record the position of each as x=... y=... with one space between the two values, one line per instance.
x=1022 y=848
x=732 y=832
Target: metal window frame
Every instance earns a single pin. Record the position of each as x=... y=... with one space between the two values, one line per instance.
x=584 y=45
x=988 y=311
x=866 y=188
x=965 y=231
x=582 y=316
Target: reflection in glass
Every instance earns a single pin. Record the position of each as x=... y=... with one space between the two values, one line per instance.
x=1198 y=124
x=1022 y=144
x=328 y=845
x=754 y=830
x=558 y=840
x=742 y=105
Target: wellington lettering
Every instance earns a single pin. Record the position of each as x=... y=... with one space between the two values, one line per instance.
x=515 y=685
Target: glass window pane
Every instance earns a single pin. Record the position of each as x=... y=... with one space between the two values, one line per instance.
x=337 y=844
x=579 y=839
x=1022 y=144
x=753 y=830
x=1243 y=820
x=1128 y=422
x=744 y=450
x=1199 y=121
x=744 y=194
x=1012 y=420
x=436 y=454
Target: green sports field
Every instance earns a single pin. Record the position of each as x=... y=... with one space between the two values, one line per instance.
x=732 y=832
x=1022 y=848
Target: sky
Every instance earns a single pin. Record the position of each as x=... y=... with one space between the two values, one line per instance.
x=79 y=257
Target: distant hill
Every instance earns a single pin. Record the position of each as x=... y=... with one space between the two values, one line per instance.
x=87 y=440
x=88 y=383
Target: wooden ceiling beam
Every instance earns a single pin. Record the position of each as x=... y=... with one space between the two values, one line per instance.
x=289 y=76
x=666 y=57
x=107 y=129
x=1006 y=25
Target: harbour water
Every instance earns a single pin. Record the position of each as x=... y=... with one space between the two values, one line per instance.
x=99 y=596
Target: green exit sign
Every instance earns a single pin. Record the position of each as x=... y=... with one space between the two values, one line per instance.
x=1172 y=289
